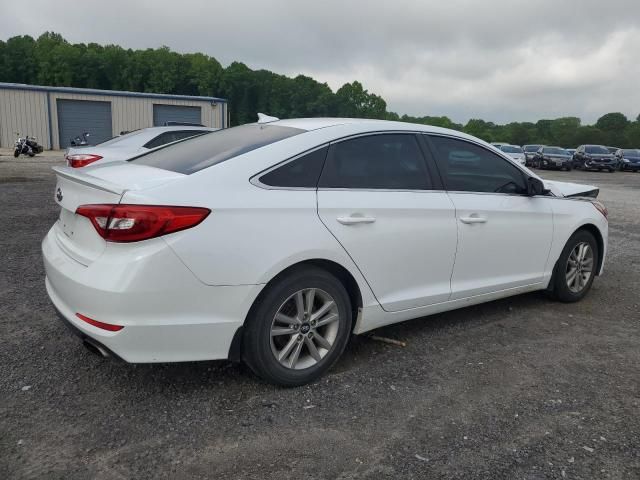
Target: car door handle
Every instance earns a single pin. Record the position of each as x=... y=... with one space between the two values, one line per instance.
x=352 y=220
x=473 y=219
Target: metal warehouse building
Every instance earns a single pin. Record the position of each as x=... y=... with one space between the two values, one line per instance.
x=55 y=115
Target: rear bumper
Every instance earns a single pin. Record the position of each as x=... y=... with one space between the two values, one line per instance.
x=167 y=313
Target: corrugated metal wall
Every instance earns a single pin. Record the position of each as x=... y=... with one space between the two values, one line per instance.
x=25 y=111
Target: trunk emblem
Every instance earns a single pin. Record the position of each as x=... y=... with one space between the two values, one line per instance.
x=59 y=194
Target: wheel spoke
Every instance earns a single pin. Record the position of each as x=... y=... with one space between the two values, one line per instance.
x=308 y=307
x=313 y=350
x=332 y=317
x=284 y=353
x=294 y=356
x=282 y=318
x=322 y=310
x=571 y=276
x=322 y=341
x=277 y=331
x=300 y=305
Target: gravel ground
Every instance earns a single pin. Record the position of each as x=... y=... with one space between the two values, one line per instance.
x=517 y=388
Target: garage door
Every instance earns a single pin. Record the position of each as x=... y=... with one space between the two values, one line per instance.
x=176 y=113
x=78 y=116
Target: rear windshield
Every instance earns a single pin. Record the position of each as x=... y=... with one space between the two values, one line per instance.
x=198 y=153
x=531 y=148
x=597 y=149
x=510 y=149
x=555 y=151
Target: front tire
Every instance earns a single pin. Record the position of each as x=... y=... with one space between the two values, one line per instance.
x=576 y=267
x=16 y=153
x=298 y=328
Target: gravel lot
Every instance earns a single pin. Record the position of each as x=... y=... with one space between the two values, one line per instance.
x=518 y=388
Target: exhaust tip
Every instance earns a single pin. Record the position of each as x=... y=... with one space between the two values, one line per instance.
x=95 y=348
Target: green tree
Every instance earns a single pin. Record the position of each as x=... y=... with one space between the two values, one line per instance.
x=355 y=101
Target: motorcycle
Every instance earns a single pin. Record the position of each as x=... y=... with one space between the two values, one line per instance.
x=26 y=146
x=80 y=140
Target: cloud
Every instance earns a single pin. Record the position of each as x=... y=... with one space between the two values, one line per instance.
x=501 y=60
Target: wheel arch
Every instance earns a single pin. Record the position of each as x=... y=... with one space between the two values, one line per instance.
x=339 y=271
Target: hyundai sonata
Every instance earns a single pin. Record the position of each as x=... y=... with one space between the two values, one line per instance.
x=273 y=242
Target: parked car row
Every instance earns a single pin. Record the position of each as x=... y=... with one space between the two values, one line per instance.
x=585 y=157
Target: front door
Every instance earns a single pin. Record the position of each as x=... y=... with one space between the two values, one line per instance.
x=504 y=235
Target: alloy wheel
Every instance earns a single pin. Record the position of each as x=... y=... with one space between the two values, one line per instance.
x=579 y=267
x=304 y=329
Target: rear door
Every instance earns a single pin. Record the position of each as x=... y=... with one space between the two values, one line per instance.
x=504 y=235
x=381 y=201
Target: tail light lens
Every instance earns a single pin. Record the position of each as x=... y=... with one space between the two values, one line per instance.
x=82 y=160
x=133 y=223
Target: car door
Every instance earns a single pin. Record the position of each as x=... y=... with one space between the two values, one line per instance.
x=385 y=206
x=504 y=235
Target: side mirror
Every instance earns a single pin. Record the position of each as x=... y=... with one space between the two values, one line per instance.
x=535 y=187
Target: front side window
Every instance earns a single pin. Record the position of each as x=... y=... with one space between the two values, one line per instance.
x=383 y=161
x=467 y=167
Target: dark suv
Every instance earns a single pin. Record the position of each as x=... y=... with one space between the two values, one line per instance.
x=594 y=157
x=552 y=157
x=629 y=159
x=529 y=153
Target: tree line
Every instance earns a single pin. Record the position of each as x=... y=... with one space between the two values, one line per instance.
x=51 y=60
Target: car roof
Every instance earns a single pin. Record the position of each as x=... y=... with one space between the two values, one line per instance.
x=310 y=124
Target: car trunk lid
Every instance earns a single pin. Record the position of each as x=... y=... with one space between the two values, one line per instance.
x=75 y=234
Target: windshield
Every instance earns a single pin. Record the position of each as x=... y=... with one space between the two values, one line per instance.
x=510 y=149
x=597 y=150
x=197 y=153
x=531 y=148
x=555 y=151
x=631 y=152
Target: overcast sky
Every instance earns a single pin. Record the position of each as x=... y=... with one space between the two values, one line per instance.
x=500 y=60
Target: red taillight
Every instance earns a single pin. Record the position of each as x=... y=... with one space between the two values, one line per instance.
x=82 y=159
x=132 y=223
x=102 y=325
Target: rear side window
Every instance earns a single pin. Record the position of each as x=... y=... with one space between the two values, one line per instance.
x=303 y=172
x=384 y=161
x=467 y=167
x=206 y=150
x=168 y=137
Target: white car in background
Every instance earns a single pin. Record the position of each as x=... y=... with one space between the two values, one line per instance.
x=130 y=144
x=515 y=152
x=273 y=242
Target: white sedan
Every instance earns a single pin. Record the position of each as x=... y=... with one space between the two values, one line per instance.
x=273 y=242
x=515 y=152
x=130 y=144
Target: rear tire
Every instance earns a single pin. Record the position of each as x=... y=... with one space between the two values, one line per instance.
x=288 y=340
x=16 y=153
x=576 y=268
